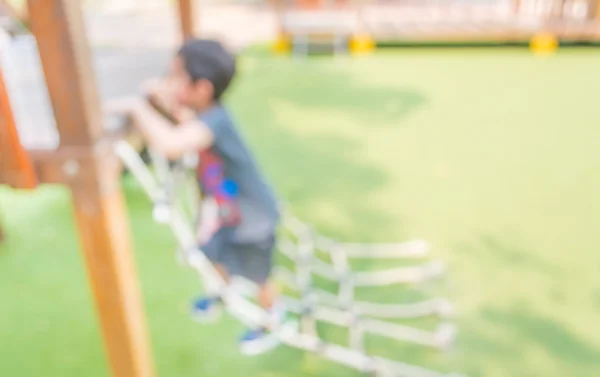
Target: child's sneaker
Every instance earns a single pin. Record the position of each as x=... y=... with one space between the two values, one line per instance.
x=206 y=309
x=263 y=339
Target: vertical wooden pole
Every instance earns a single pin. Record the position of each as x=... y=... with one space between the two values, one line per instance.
x=91 y=171
x=517 y=7
x=279 y=10
x=186 y=18
x=105 y=240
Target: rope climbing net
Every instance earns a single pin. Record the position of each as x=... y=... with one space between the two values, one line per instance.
x=173 y=190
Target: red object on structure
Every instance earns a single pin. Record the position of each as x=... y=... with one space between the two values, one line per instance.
x=16 y=168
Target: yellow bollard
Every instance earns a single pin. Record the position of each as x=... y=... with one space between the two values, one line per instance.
x=543 y=44
x=282 y=45
x=361 y=44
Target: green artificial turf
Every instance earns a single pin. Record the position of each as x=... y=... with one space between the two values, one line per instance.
x=491 y=155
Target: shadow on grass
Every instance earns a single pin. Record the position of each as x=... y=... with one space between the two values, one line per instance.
x=521 y=337
x=545 y=333
x=321 y=171
x=505 y=250
x=525 y=333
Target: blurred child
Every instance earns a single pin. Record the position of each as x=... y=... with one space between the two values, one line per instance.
x=244 y=239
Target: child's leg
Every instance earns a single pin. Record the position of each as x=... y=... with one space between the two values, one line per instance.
x=255 y=263
x=262 y=339
x=222 y=270
x=267 y=295
x=208 y=307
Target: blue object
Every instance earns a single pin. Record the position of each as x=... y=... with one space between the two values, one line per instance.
x=204 y=305
x=230 y=188
x=253 y=335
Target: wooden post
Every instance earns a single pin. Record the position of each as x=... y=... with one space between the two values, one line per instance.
x=517 y=7
x=279 y=10
x=88 y=166
x=186 y=18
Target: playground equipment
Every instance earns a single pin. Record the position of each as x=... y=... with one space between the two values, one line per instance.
x=16 y=168
x=447 y=21
x=77 y=152
x=75 y=147
x=164 y=188
x=319 y=26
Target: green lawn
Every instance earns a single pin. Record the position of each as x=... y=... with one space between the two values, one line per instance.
x=492 y=155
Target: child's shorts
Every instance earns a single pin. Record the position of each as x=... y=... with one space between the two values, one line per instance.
x=251 y=260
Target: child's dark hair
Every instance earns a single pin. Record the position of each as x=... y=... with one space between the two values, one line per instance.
x=206 y=59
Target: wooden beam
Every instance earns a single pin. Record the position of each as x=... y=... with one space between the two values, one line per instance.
x=186 y=18
x=105 y=240
x=50 y=165
x=90 y=169
x=66 y=60
x=16 y=168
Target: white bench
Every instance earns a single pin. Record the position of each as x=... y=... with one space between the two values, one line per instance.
x=332 y=27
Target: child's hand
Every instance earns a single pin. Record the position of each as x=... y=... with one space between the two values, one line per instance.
x=123 y=106
x=161 y=92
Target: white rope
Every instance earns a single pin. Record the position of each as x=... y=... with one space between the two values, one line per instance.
x=439 y=338
x=136 y=166
x=410 y=249
x=438 y=306
x=309 y=306
x=398 y=275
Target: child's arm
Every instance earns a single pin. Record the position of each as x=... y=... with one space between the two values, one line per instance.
x=160 y=93
x=209 y=220
x=173 y=142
